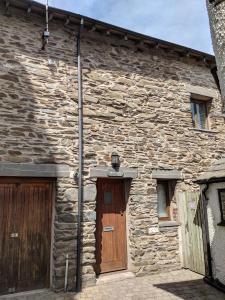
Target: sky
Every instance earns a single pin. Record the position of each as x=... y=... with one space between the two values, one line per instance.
x=183 y=22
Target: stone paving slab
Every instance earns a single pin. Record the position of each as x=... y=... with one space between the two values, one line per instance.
x=175 y=285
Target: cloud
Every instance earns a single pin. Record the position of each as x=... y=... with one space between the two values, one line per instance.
x=72 y=5
x=182 y=22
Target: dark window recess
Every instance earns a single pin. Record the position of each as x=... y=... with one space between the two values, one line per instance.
x=200 y=114
x=165 y=192
x=214 y=72
x=221 y=193
x=107 y=197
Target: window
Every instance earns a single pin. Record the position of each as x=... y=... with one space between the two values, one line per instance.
x=200 y=113
x=164 y=196
x=107 y=198
x=222 y=204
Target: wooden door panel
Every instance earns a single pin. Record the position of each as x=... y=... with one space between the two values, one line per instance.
x=111 y=226
x=191 y=216
x=7 y=243
x=28 y=218
x=34 y=235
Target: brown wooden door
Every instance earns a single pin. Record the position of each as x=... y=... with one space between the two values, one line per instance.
x=25 y=233
x=111 y=250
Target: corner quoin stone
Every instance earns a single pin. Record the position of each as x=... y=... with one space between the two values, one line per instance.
x=90 y=192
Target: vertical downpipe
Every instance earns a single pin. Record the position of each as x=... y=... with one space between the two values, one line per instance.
x=80 y=174
x=66 y=273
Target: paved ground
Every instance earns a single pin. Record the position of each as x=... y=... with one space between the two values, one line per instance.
x=176 y=285
x=168 y=286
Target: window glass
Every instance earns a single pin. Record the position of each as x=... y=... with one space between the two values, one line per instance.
x=199 y=114
x=202 y=115
x=162 y=192
x=107 y=197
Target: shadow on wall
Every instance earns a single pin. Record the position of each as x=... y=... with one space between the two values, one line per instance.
x=37 y=115
x=30 y=122
x=24 y=136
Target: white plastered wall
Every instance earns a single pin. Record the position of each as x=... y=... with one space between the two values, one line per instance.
x=216 y=233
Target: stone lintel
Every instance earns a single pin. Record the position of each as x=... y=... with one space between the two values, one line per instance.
x=201 y=93
x=168 y=224
x=34 y=170
x=167 y=174
x=109 y=172
x=215 y=173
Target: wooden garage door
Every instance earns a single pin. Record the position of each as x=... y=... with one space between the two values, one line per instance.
x=25 y=233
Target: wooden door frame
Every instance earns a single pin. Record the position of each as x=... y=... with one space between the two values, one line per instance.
x=51 y=263
x=125 y=197
x=52 y=180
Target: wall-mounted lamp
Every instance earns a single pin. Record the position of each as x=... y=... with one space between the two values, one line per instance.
x=45 y=38
x=115 y=160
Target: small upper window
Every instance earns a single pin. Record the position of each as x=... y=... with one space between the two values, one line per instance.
x=164 y=196
x=200 y=114
x=222 y=204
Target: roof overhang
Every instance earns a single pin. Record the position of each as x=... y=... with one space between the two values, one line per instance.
x=71 y=18
x=216 y=173
x=211 y=180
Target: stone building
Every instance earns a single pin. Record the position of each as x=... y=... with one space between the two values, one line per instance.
x=212 y=183
x=154 y=103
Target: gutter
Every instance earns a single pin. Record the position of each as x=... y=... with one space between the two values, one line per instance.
x=36 y=7
x=80 y=172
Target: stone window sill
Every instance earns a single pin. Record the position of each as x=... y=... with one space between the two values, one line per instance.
x=203 y=130
x=167 y=225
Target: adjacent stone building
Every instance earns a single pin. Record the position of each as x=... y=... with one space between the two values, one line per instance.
x=154 y=103
x=213 y=191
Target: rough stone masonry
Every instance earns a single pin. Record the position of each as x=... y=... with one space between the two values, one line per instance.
x=136 y=103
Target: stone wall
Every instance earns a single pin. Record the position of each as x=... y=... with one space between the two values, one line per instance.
x=38 y=116
x=135 y=103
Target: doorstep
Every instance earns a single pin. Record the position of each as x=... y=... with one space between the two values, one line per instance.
x=43 y=294
x=114 y=276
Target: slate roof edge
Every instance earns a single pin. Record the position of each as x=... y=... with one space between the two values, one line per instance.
x=38 y=7
x=210 y=180
x=211 y=177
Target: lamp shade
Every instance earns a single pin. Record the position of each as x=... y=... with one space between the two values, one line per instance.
x=115 y=159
